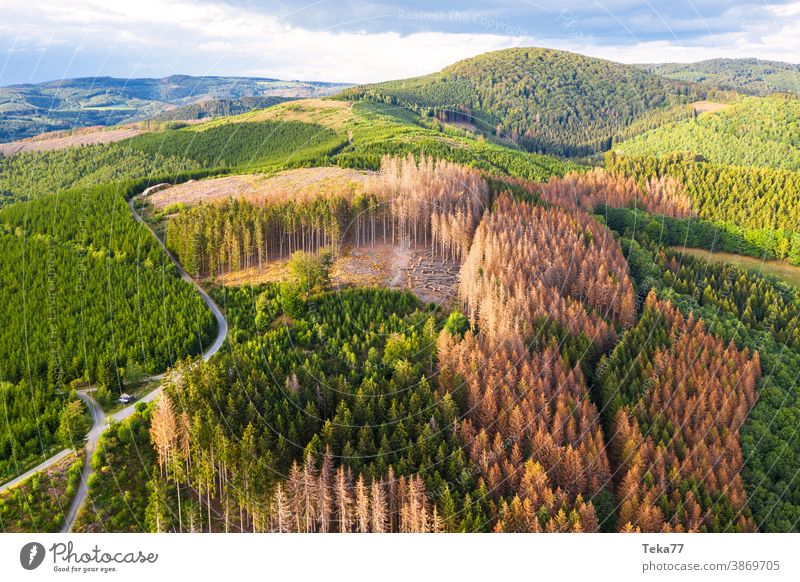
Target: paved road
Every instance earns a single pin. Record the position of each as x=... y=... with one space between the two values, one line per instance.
x=99 y=419
x=40 y=467
x=99 y=425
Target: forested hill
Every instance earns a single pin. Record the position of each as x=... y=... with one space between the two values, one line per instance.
x=752 y=76
x=27 y=110
x=545 y=100
x=752 y=131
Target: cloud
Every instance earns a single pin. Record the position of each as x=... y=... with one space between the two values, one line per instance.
x=369 y=41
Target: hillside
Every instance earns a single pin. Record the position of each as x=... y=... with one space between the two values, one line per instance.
x=545 y=100
x=27 y=110
x=752 y=76
x=291 y=134
x=218 y=108
x=752 y=131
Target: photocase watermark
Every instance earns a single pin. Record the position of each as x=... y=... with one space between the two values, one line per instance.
x=65 y=558
x=31 y=555
x=494 y=25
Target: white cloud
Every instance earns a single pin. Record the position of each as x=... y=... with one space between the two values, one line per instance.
x=210 y=37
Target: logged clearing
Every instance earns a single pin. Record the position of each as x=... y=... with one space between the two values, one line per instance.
x=335 y=115
x=709 y=106
x=779 y=269
x=61 y=140
x=297 y=185
x=433 y=280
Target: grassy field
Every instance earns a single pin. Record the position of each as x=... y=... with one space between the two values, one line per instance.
x=778 y=269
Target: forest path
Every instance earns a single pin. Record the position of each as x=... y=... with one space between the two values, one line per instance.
x=99 y=425
x=100 y=420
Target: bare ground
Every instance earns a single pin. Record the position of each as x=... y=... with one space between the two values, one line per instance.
x=434 y=280
x=709 y=106
x=61 y=140
x=295 y=184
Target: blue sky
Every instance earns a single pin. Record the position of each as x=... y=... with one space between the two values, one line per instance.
x=362 y=41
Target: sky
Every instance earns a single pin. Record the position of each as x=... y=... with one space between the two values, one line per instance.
x=368 y=41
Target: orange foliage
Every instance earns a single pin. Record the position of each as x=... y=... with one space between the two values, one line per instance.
x=529 y=262
x=701 y=390
x=588 y=190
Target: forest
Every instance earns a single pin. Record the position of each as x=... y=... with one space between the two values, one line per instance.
x=761 y=132
x=749 y=76
x=756 y=207
x=586 y=376
x=426 y=203
x=86 y=296
x=34 y=174
x=545 y=100
x=758 y=314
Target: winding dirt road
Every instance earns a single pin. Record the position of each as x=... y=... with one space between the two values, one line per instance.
x=100 y=421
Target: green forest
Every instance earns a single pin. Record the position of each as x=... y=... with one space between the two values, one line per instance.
x=87 y=296
x=547 y=101
x=758 y=207
x=749 y=132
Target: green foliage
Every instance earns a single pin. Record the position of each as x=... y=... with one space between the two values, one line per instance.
x=123 y=463
x=755 y=210
x=217 y=108
x=34 y=174
x=242 y=145
x=103 y=286
x=753 y=76
x=457 y=324
x=31 y=417
x=84 y=289
x=310 y=272
x=73 y=424
x=545 y=100
x=751 y=132
x=40 y=503
x=350 y=373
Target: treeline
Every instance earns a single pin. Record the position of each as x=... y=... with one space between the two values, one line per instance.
x=547 y=101
x=676 y=397
x=759 y=205
x=423 y=203
x=217 y=108
x=243 y=145
x=529 y=262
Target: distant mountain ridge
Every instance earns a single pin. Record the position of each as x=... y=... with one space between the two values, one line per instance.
x=30 y=109
x=751 y=76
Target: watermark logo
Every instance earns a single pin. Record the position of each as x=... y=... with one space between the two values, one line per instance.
x=31 y=555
